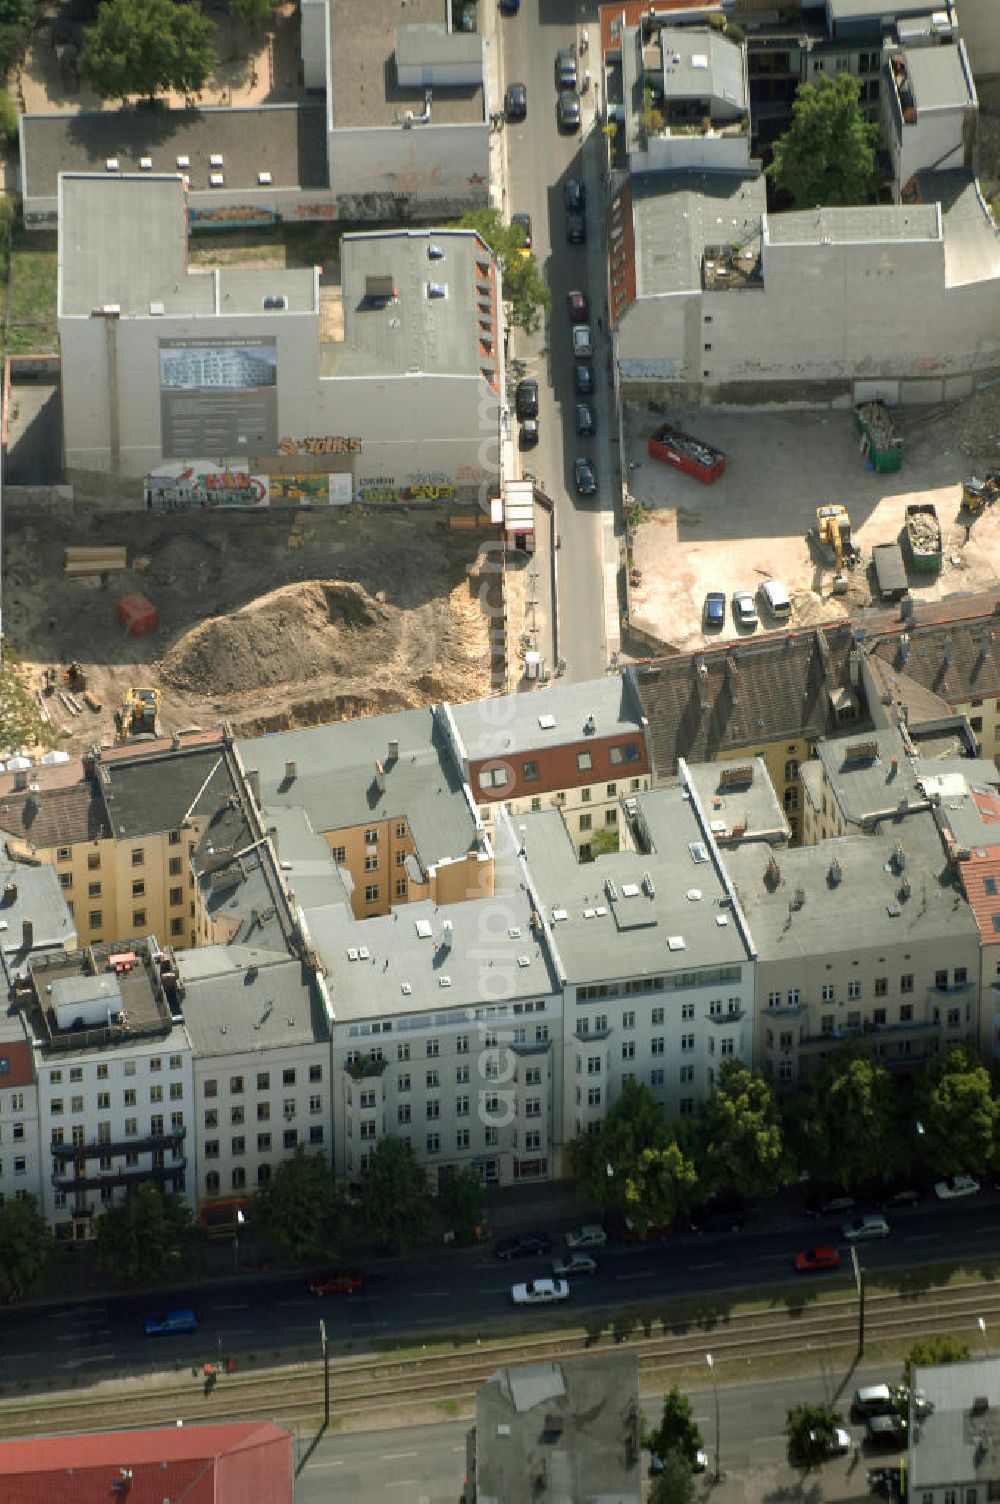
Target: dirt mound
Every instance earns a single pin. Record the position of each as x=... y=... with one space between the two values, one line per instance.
x=293 y=634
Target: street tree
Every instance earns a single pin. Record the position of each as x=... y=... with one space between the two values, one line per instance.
x=604 y=1161
x=255 y=14
x=298 y=1208
x=675 y=1483
x=147 y=46
x=677 y=1431
x=662 y=1184
x=523 y=285
x=16 y=20
x=25 y=1248
x=811 y=1432
x=827 y=155
x=395 y=1204
x=739 y=1135
x=938 y=1347
x=843 y=1120
x=461 y=1200
x=151 y=1236
x=957 y=1112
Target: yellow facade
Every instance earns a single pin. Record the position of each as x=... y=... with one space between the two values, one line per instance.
x=783 y=758
x=375 y=855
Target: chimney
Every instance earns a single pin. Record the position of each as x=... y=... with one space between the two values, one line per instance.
x=380 y=777
x=446 y=929
x=393 y=752
x=27 y=934
x=20 y=780
x=253 y=784
x=10 y=894
x=291 y=771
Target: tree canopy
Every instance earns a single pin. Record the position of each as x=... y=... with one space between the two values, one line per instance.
x=298 y=1207
x=25 y=1248
x=827 y=155
x=523 y=286
x=395 y=1203
x=147 y=46
x=845 y=1120
x=936 y=1347
x=675 y=1483
x=16 y=20
x=150 y=1236
x=461 y=1201
x=677 y=1431
x=810 y=1430
x=740 y=1135
x=957 y=1112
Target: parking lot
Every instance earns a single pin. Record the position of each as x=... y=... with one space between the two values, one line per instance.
x=753 y=522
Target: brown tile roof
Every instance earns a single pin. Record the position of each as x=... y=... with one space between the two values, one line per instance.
x=921 y=704
x=956 y=661
x=702 y=706
x=54 y=816
x=981 y=879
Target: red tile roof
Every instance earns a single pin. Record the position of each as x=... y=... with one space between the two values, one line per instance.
x=634 y=10
x=987 y=804
x=243 y=1463
x=981 y=879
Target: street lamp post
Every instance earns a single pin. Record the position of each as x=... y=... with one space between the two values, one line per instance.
x=715 y=1390
x=982 y=1328
x=326 y=1373
x=240 y=1219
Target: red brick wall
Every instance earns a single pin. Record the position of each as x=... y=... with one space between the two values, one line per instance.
x=557 y=767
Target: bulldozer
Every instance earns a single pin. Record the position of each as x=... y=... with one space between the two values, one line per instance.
x=833 y=528
x=977 y=495
x=138 y=714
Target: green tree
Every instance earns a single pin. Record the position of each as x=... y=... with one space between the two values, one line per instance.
x=740 y=1137
x=522 y=283
x=827 y=155
x=8 y=119
x=677 y=1432
x=603 y=841
x=675 y=1484
x=461 y=1199
x=298 y=1208
x=25 y=1248
x=811 y=1432
x=146 y=46
x=659 y=1186
x=395 y=1203
x=843 y=1121
x=17 y=17
x=957 y=1112
x=149 y=1237
x=603 y=1162
x=940 y=1347
x=255 y=14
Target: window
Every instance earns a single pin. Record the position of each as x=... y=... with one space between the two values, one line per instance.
x=586 y=822
x=687 y=1010
x=433 y=1047
x=628 y=1020
x=290 y=1138
x=138 y=918
x=727 y=1045
x=371 y=863
x=235 y=1086
x=236 y=1115
x=686 y=1073
x=686 y=1106
x=461 y=1044
x=828 y=992
x=881 y=986
x=239 y=1178
x=906 y=982
x=238 y=1144
x=976 y=722
x=137 y=856
x=211 y=1087
x=594 y=1096
x=878 y=1017
x=961 y=976
x=954 y=1017
x=611 y=817
x=371 y=837
x=288 y=1108
x=593 y=1065
x=906 y=1013
x=624 y=752
x=687 y=1041
x=493 y=778
x=371 y=893
x=288 y=1077
x=585 y=796
x=56 y=1107
x=93 y=890
x=462 y=1138
x=656 y=1077
x=339 y=854
x=791 y=770
x=584 y=762
x=462 y=1106
x=315 y=1074
x=104 y=1101
x=211 y=1147
x=433 y=1143
x=628 y=1049
x=95 y=919
x=403 y=1113
x=433 y=1109
x=794 y=997
x=658 y=1015
x=400 y=887
x=174 y=866
x=403 y=1082
x=657 y=1045
x=212 y=1118
x=941 y=979
x=400 y=858
x=402 y=1052
x=76 y=1104
x=462 y=1075
x=93 y=861
x=529 y=772
x=853 y=990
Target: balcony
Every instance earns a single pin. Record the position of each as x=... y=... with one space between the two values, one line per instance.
x=538 y=1046
x=785 y=1010
x=369 y=1067
x=150 y=1144
x=584 y=1036
x=70 y=1183
x=732 y=1017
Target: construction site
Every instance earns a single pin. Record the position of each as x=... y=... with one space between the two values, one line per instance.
x=147 y=623
x=847 y=509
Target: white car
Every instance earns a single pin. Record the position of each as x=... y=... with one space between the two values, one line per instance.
x=955 y=1186
x=583 y=347
x=539 y=1292
x=863 y=1228
x=575 y=1263
x=744 y=610
x=841 y=1442
x=591 y=1236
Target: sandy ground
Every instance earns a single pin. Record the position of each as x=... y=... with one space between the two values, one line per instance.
x=753 y=522
x=364 y=613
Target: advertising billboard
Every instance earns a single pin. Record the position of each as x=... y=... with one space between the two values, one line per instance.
x=218 y=397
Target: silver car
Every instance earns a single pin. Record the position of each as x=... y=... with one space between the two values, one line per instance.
x=862 y=1228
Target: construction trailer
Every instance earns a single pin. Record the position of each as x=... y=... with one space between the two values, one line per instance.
x=891 y=583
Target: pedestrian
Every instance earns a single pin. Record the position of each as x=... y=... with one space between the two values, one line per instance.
x=600 y=324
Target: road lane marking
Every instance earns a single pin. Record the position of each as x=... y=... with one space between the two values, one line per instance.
x=339 y=1462
x=396 y=1456
x=719 y=1264
x=647 y=1274
x=230 y=1308
x=924 y=1237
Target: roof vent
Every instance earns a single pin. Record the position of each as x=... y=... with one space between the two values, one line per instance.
x=523 y=961
x=216 y=179
x=145 y=164
x=264 y=179
x=111 y=165
x=216 y=159
x=379 y=289
x=835 y=873
x=183 y=161
x=406 y=989
x=693 y=895
x=444 y=981
x=157 y=310
x=435 y=252
x=274 y=300
x=630 y=890
x=437 y=290
x=424 y=928
x=364 y=954
x=547 y=722
x=648 y=886
x=675 y=942
x=352 y=953
x=980 y=1404
x=698 y=852
x=611 y=891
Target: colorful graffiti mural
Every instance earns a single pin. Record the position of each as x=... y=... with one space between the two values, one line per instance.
x=330 y=444
x=204 y=486
x=233 y=217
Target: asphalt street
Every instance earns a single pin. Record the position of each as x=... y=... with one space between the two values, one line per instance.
x=540 y=160
x=462 y=1291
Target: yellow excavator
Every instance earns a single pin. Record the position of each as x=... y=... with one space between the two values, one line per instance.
x=977 y=495
x=833 y=528
x=138 y=714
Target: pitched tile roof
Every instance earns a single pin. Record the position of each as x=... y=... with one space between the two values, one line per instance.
x=957 y=660
x=980 y=877
x=55 y=816
x=701 y=706
x=242 y=1463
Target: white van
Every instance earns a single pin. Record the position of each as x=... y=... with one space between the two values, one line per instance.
x=776 y=600
x=874 y=1399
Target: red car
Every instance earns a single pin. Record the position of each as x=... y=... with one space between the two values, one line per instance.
x=813 y=1259
x=336 y=1282
x=578 y=307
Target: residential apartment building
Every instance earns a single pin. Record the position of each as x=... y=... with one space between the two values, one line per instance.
x=576 y=747
x=260 y=1038
x=113 y=1067
x=952 y=1452
x=20 y=1152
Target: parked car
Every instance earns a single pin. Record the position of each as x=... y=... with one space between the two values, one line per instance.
x=841 y=1442
x=575 y=196
x=886 y=1431
x=336 y=1282
x=861 y=1229
x=744 y=611
x=515 y=102
x=814 y=1259
x=657 y=1233
x=575 y=1263
x=826 y=1202
x=591 y=1235
x=583 y=347
x=887 y=1480
x=526 y=398
x=522 y=222
x=566 y=70
x=955 y=1186
x=540 y=1292
x=529 y=433
x=715 y=609
x=776 y=599
x=568 y=111
x=583 y=377
x=721 y=1211
x=699 y=1464
x=585 y=425
x=873 y=1399
x=576 y=229
x=528 y=1245
x=578 y=307
x=584 y=477
x=183 y=1320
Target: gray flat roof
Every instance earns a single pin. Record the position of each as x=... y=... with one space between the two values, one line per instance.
x=364 y=90
x=971 y=242
x=869 y=223
x=306 y=860
x=953 y=1446
x=746 y=809
x=286 y=140
x=431 y=42
x=401 y=957
x=699 y=62
x=335 y=780
x=512 y=723
x=237 y=997
x=938 y=78
x=635 y=928
x=677 y=214
x=411 y=331
x=870 y=775
x=875 y=10
x=858 y=901
x=242 y=289
x=152 y=792
x=39 y=900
